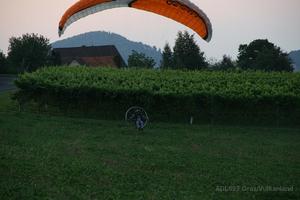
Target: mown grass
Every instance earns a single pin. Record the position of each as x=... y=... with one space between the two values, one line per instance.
x=56 y=157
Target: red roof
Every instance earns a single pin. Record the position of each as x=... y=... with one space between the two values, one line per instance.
x=91 y=56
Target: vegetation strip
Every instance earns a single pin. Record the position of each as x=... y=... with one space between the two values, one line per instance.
x=189 y=92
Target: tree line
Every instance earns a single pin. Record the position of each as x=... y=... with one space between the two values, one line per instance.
x=32 y=51
x=260 y=54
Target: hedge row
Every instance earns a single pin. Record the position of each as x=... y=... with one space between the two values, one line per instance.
x=165 y=93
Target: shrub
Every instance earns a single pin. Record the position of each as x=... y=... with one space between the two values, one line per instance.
x=167 y=94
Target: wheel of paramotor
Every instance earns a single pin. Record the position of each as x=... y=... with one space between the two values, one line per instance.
x=137 y=116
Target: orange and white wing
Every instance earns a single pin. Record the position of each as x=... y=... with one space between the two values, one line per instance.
x=182 y=11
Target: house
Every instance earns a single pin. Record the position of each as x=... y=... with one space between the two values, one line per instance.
x=94 y=56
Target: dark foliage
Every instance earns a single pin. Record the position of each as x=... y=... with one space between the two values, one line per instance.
x=187 y=54
x=167 y=57
x=140 y=60
x=29 y=52
x=3 y=62
x=263 y=55
x=225 y=64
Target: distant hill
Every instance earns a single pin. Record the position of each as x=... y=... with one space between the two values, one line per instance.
x=295 y=56
x=100 y=38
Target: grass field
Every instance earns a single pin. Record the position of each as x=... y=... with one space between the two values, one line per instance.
x=44 y=156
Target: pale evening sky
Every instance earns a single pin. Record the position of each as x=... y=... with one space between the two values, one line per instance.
x=234 y=22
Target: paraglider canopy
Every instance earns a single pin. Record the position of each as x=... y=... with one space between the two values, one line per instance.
x=182 y=11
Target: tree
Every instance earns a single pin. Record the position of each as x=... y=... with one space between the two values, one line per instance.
x=140 y=60
x=187 y=53
x=167 y=57
x=29 y=52
x=225 y=64
x=2 y=63
x=263 y=55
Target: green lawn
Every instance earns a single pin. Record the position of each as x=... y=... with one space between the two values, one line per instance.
x=57 y=157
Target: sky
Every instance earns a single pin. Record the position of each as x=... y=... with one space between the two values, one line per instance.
x=234 y=22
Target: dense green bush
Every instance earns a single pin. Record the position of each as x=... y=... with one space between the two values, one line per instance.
x=166 y=94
